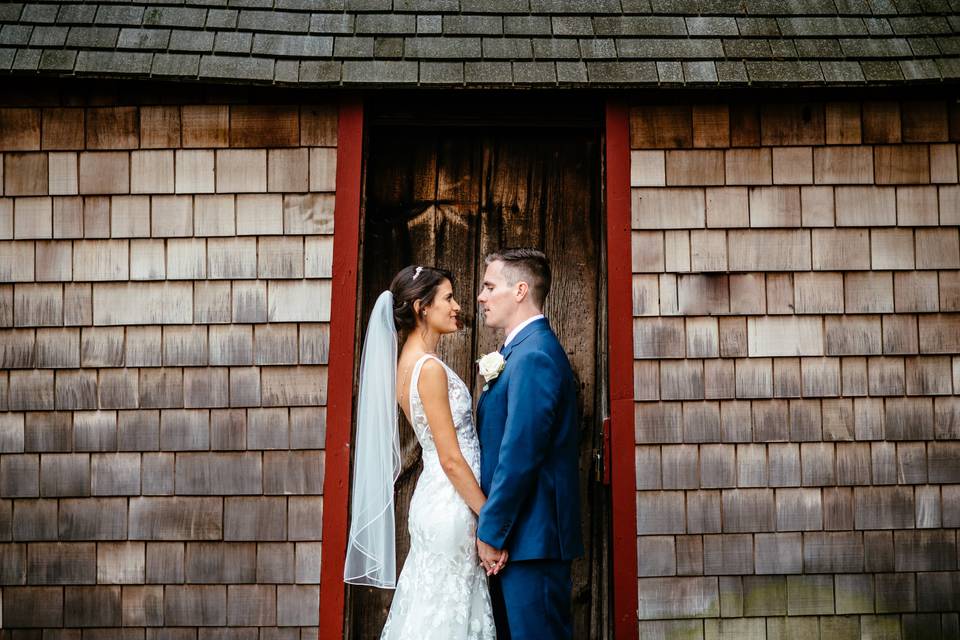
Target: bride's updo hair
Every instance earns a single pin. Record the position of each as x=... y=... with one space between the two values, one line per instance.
x=409 y=285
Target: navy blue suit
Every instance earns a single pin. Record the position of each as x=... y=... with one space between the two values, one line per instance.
x=529 y=443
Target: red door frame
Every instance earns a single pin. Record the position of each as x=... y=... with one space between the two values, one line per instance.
x=343 y=317
x=620 y=358
x=340 y=373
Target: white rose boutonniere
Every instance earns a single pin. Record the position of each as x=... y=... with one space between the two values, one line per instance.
x=491 y=365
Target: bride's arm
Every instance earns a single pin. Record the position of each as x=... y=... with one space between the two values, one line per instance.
x=432 y=386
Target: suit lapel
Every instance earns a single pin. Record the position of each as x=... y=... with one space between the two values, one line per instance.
x=480 y=406
x=526 y=332
x=483 y=396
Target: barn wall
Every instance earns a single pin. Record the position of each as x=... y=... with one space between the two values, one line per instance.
x=795 y=298
x=165 y=306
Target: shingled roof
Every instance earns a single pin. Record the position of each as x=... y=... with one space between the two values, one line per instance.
x=490 y=43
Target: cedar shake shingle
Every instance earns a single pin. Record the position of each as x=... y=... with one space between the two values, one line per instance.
x=293 y=473
x=748 y=510
x=228 y=429
x=117 y=389
x=147 y=260
x=184 y=429
x=241 y=171
x=121 y=563
x=186 y=259
x=212 y=215
x=813 y=594
x=205 y=387
x=937 y=248
x=769 y=250
x=151 y=172
x=159 y=127
x=218 y=474
x=902 y=164
x=943 y=163
x=175 y=518
x=231 y=345
x=694 y=167
x=842 y=122
x=784 y=336
x=157 y=472
x=232 y=258
x=293 y=386
x=25 y=174
x=792 y=165
x=851 y=164
x=780 y=297
x=204 y=605
x=748 y=166
x=818 y=293
x=104 y=172
x=833 y=552
x=774 y=207
x=205 y=126
x=820 y=377
x=727 y=207
x=19 y=129
x=677 y=251
x=883 y=463
x=96 y=217
x=63 y=128
x=701 y=422
x=276 y=344
x=130 y=216
x=719 y=379
x=33 y=218
x=299 y=300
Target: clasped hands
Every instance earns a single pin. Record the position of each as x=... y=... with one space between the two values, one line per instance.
x=492 y=560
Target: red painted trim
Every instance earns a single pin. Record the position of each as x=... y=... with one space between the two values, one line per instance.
x=340 y=373
x=343 y=314
x=620 y=335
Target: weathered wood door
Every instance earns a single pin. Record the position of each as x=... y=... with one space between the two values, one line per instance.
x=448 y=196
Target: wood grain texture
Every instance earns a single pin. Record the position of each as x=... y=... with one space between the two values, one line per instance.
x=448 y=198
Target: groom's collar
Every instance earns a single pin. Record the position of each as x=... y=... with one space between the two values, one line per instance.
x=524 y=333
x=520 y=327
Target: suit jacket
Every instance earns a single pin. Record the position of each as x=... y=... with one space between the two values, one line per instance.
x=529 y=443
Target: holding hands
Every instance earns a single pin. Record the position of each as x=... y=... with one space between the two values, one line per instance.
x=492 y=560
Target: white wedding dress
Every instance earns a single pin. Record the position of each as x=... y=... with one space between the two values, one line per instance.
x=442 y=591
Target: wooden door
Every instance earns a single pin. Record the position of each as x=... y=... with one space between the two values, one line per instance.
x=448 y=196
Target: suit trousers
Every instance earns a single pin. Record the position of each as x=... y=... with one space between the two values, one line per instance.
x=532 y=601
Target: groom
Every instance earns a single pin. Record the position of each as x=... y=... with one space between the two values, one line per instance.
x=529 y=441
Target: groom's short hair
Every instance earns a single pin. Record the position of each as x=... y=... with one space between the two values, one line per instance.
x=527 y=265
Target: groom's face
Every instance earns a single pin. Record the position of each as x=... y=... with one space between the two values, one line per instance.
x=497 y=298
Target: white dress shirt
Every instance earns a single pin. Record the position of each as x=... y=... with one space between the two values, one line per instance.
x=517 y=329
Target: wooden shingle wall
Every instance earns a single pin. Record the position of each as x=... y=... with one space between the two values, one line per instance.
x=796 y=293
x=164 y=321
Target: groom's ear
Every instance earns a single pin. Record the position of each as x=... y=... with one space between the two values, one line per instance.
x=523 y=289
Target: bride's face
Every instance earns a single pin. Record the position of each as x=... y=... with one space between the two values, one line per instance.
x=442 y=315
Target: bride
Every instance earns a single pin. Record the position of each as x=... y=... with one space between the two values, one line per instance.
x=442 y=591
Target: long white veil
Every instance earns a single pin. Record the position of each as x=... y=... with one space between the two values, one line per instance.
x=371 y=554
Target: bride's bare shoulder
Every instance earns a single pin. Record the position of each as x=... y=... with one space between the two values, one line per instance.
x=432 y=369
x=432 y=379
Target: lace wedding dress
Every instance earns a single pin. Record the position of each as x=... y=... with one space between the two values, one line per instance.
x=442 y=591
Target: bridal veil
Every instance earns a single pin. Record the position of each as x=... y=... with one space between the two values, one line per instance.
x=371 y=554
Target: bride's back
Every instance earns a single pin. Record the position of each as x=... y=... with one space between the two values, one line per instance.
x=458 y=397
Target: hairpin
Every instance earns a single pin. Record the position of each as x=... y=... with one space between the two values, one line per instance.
x=417 y=272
